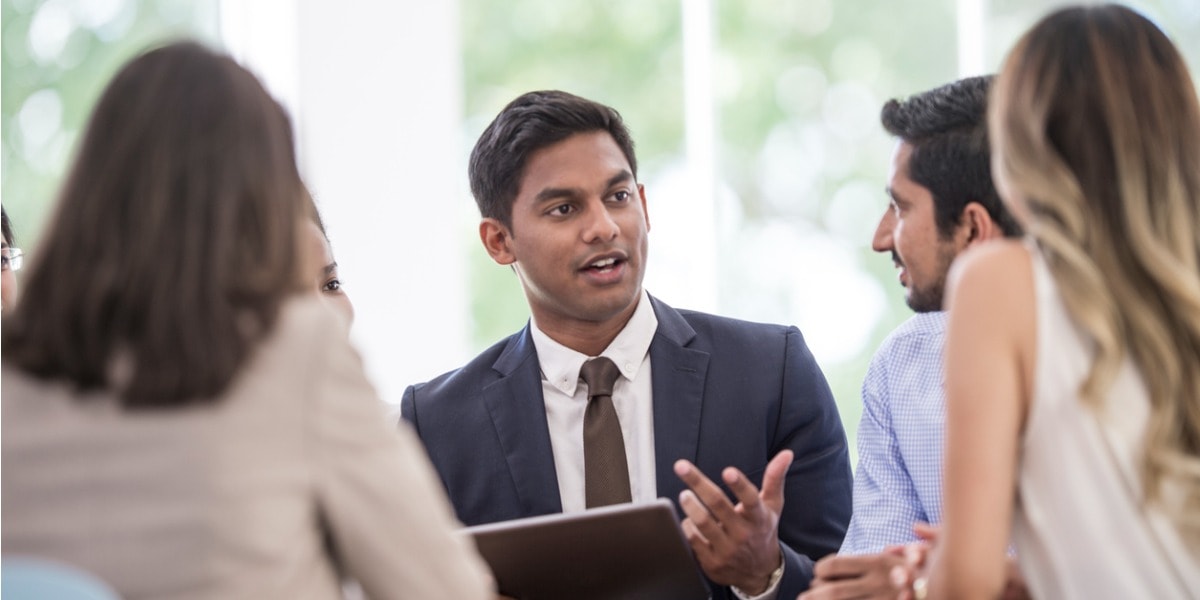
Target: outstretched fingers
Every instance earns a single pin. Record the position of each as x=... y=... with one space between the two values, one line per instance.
x=735 y=545
x=705 y=491
x=743 y=490
x=774 y=478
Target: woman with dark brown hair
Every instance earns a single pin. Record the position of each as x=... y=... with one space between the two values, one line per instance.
x=324 y=273
x=180 y=417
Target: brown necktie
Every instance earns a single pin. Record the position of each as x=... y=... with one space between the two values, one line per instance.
x=605 y=472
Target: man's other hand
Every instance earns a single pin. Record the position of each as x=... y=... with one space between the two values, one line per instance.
x=868 y=576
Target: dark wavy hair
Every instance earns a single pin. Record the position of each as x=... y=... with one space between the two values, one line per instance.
x=947 y=129
x=6 y=227
x=173 y=242
x=529 y=123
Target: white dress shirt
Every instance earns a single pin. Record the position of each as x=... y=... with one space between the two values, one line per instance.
x=566 y=398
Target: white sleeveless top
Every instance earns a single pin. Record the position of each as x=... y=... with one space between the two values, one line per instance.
x=1079 y=526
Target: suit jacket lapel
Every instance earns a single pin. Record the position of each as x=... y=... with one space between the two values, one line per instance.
x=678 y=387
x=518 y=413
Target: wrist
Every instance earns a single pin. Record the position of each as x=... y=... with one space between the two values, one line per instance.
x=761 y=584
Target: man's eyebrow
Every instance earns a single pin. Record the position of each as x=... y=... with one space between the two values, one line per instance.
x=330 y=268
x=552 y=193
x=621 y=177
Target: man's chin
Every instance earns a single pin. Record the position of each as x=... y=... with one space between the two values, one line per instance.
x=922 y=303
x=613 y=306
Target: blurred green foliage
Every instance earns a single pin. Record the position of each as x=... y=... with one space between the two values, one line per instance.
x=628 y=55
x=624 y=53
x=882 y=51
x=798 y=83
x=61 y=54
x=815 y=70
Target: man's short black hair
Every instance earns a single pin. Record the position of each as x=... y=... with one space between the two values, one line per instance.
x=531 y=122
x=947 y=129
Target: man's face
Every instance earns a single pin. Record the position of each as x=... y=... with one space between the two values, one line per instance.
x=909 y=232
x=578 y=236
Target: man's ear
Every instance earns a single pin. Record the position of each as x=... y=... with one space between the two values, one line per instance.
x=496 y=238
x=977 y=224
x=645 y=213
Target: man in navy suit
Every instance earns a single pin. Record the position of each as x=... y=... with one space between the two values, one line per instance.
x=700 y=398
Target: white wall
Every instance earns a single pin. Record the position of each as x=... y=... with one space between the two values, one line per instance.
x=375 y=92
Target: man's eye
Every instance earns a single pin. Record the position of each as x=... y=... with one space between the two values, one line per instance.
x=562 y=210
x=332 y=285
x=621 y=196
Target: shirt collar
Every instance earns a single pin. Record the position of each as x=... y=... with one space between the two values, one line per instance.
x=560 y=365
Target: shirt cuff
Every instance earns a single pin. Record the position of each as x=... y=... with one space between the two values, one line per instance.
x=772 y=586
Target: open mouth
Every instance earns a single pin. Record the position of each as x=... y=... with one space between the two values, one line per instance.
x=604 y=265
x=605 y=270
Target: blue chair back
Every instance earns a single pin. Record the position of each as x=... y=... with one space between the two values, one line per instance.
x=26 y=578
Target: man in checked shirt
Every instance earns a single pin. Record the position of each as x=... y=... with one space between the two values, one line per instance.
x=942 y=202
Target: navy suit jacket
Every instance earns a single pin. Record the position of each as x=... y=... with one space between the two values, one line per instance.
x=725 y=392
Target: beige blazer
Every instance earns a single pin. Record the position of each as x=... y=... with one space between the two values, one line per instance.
x=290 y=478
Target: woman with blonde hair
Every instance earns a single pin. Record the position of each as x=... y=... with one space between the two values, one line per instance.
x=1073 y=359
x=181 y=416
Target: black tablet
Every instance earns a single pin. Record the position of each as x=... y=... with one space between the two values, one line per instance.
x=627 y=551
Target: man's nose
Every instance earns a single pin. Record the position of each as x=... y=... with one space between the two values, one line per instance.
x=882 y=240
x=601 y=226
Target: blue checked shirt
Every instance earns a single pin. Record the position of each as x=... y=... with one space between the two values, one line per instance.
x=899 y=477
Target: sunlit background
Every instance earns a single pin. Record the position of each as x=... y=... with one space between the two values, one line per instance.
x=756 y=123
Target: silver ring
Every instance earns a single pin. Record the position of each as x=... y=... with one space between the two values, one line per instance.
x=920 y=588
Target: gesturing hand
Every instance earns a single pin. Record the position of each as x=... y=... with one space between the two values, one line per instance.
x=735 y=545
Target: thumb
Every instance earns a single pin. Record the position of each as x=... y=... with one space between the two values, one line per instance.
x=927 y=532
x=773 y=478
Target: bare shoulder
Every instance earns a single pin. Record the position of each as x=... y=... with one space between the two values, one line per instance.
x=1000 y=271
x=991 y=299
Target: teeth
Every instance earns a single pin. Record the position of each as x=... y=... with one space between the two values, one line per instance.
x=608 y=262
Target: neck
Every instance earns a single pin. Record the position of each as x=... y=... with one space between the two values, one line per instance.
x=585 y=337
